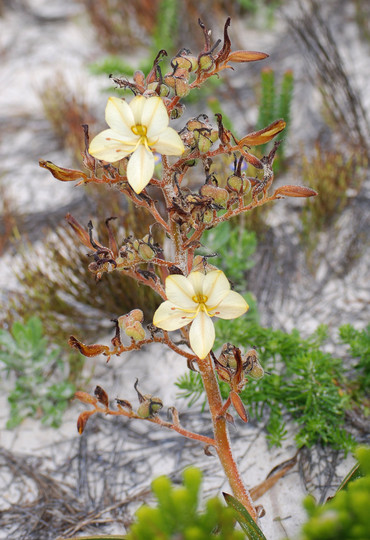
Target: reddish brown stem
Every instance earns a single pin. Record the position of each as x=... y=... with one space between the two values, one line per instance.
x=221 y=435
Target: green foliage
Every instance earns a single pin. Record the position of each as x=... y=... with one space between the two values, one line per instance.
x=244 y=518
x=275 y=103
x=41 y=388
x=163 y=34
x=234 y=247
x=305 y=385
x=176 y=514
x=346 y=515
x=359 y=343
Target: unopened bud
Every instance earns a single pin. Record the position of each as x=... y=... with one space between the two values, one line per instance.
x=206 y=62
x=181 y=87
x=146 y=252
x=207 y=216
x=204 y=143
x=177 y=111
x=219 y=195
x=135 y=331
x=238 y=184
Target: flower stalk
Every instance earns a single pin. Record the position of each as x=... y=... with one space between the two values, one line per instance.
x=193 y=291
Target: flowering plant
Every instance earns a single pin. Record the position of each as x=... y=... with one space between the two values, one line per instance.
x=193 y=291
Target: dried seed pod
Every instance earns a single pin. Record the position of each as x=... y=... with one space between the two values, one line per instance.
x=251 y=365
x=102 y=396
x=227 y=356
x=149 y=407
x=82 y=420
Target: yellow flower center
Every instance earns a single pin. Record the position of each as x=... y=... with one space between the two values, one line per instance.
x=200 y=299
x=139 y=130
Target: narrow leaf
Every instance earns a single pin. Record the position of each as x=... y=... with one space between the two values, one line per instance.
x=238 y=406
x=354 y=474
x=244 y=518
x=295 y=191
x=263 y=135
x=246 y=56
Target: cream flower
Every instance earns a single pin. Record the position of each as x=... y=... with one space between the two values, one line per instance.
x=138 y=128
x=196 y=299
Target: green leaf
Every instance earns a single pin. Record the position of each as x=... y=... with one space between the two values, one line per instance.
x=353 y=474
x=245 y=520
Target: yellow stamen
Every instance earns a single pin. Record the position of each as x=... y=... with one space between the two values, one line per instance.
x=139 y=130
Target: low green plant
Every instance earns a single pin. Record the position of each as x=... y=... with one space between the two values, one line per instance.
x=303 y=383
x=275 y=102
x=346 y=515
x=177 y=515
x=359 y=344
x=38 y=369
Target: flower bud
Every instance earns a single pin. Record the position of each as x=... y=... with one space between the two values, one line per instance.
x=136 y=315
x=205 y=62
x=219 y=195
x=177 y=111
x=204 y=143
x=181 y=87
x=238 y=184
x=146 y=252
x=207 y=216
x=135 y=331
x=190 y=63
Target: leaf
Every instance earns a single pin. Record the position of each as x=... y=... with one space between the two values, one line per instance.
x=263 y=135
x=354 y=474
x=244 y=518
x=246 y=56
x=238 y=406
x=295 y=191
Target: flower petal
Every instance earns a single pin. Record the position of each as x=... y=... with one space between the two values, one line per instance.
x=180 y=292
x=154 y=116
x=109 y=146
x=169 y=317
x=168 y=143
x=140 y=168
x=231 y=307
x=119 y=117
x=216 y=286
x=196 y=279
x=202 y=334
x=137 y=105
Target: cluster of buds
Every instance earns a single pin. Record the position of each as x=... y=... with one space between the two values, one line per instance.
x=227 y=363
x=199 y=133
x=234 y=369
x=106 y=259
x=131 y=324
